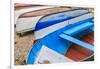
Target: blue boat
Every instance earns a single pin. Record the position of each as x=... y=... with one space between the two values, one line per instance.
x=63 y=38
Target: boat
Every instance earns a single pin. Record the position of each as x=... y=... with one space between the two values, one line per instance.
x=68 y=33
x=27 y=16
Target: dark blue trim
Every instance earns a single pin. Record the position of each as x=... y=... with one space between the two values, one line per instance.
x=41 y=25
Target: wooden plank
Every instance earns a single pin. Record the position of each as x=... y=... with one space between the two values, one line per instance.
x=76 y=41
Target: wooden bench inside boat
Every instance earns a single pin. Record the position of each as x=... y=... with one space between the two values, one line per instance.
x=80 y=48
x=77 y=29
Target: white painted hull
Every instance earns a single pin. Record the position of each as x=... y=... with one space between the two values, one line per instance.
x=29 y=23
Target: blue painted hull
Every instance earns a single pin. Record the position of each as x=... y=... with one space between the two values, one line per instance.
x=54 y=42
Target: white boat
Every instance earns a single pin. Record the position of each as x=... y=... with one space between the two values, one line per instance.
x=27 y=20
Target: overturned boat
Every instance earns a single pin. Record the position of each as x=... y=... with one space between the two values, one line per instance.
x=27 y=16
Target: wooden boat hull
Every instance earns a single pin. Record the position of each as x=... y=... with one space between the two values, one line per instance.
x=27 y=21
x=54 y=42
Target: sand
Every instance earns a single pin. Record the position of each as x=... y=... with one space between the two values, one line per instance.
x=22 y=46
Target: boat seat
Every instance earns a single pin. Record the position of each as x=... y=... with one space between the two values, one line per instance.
x=67 y=35
x=76 y=41
x=79 y=28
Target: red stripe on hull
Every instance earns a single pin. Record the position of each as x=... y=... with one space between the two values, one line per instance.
x=36 y=41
